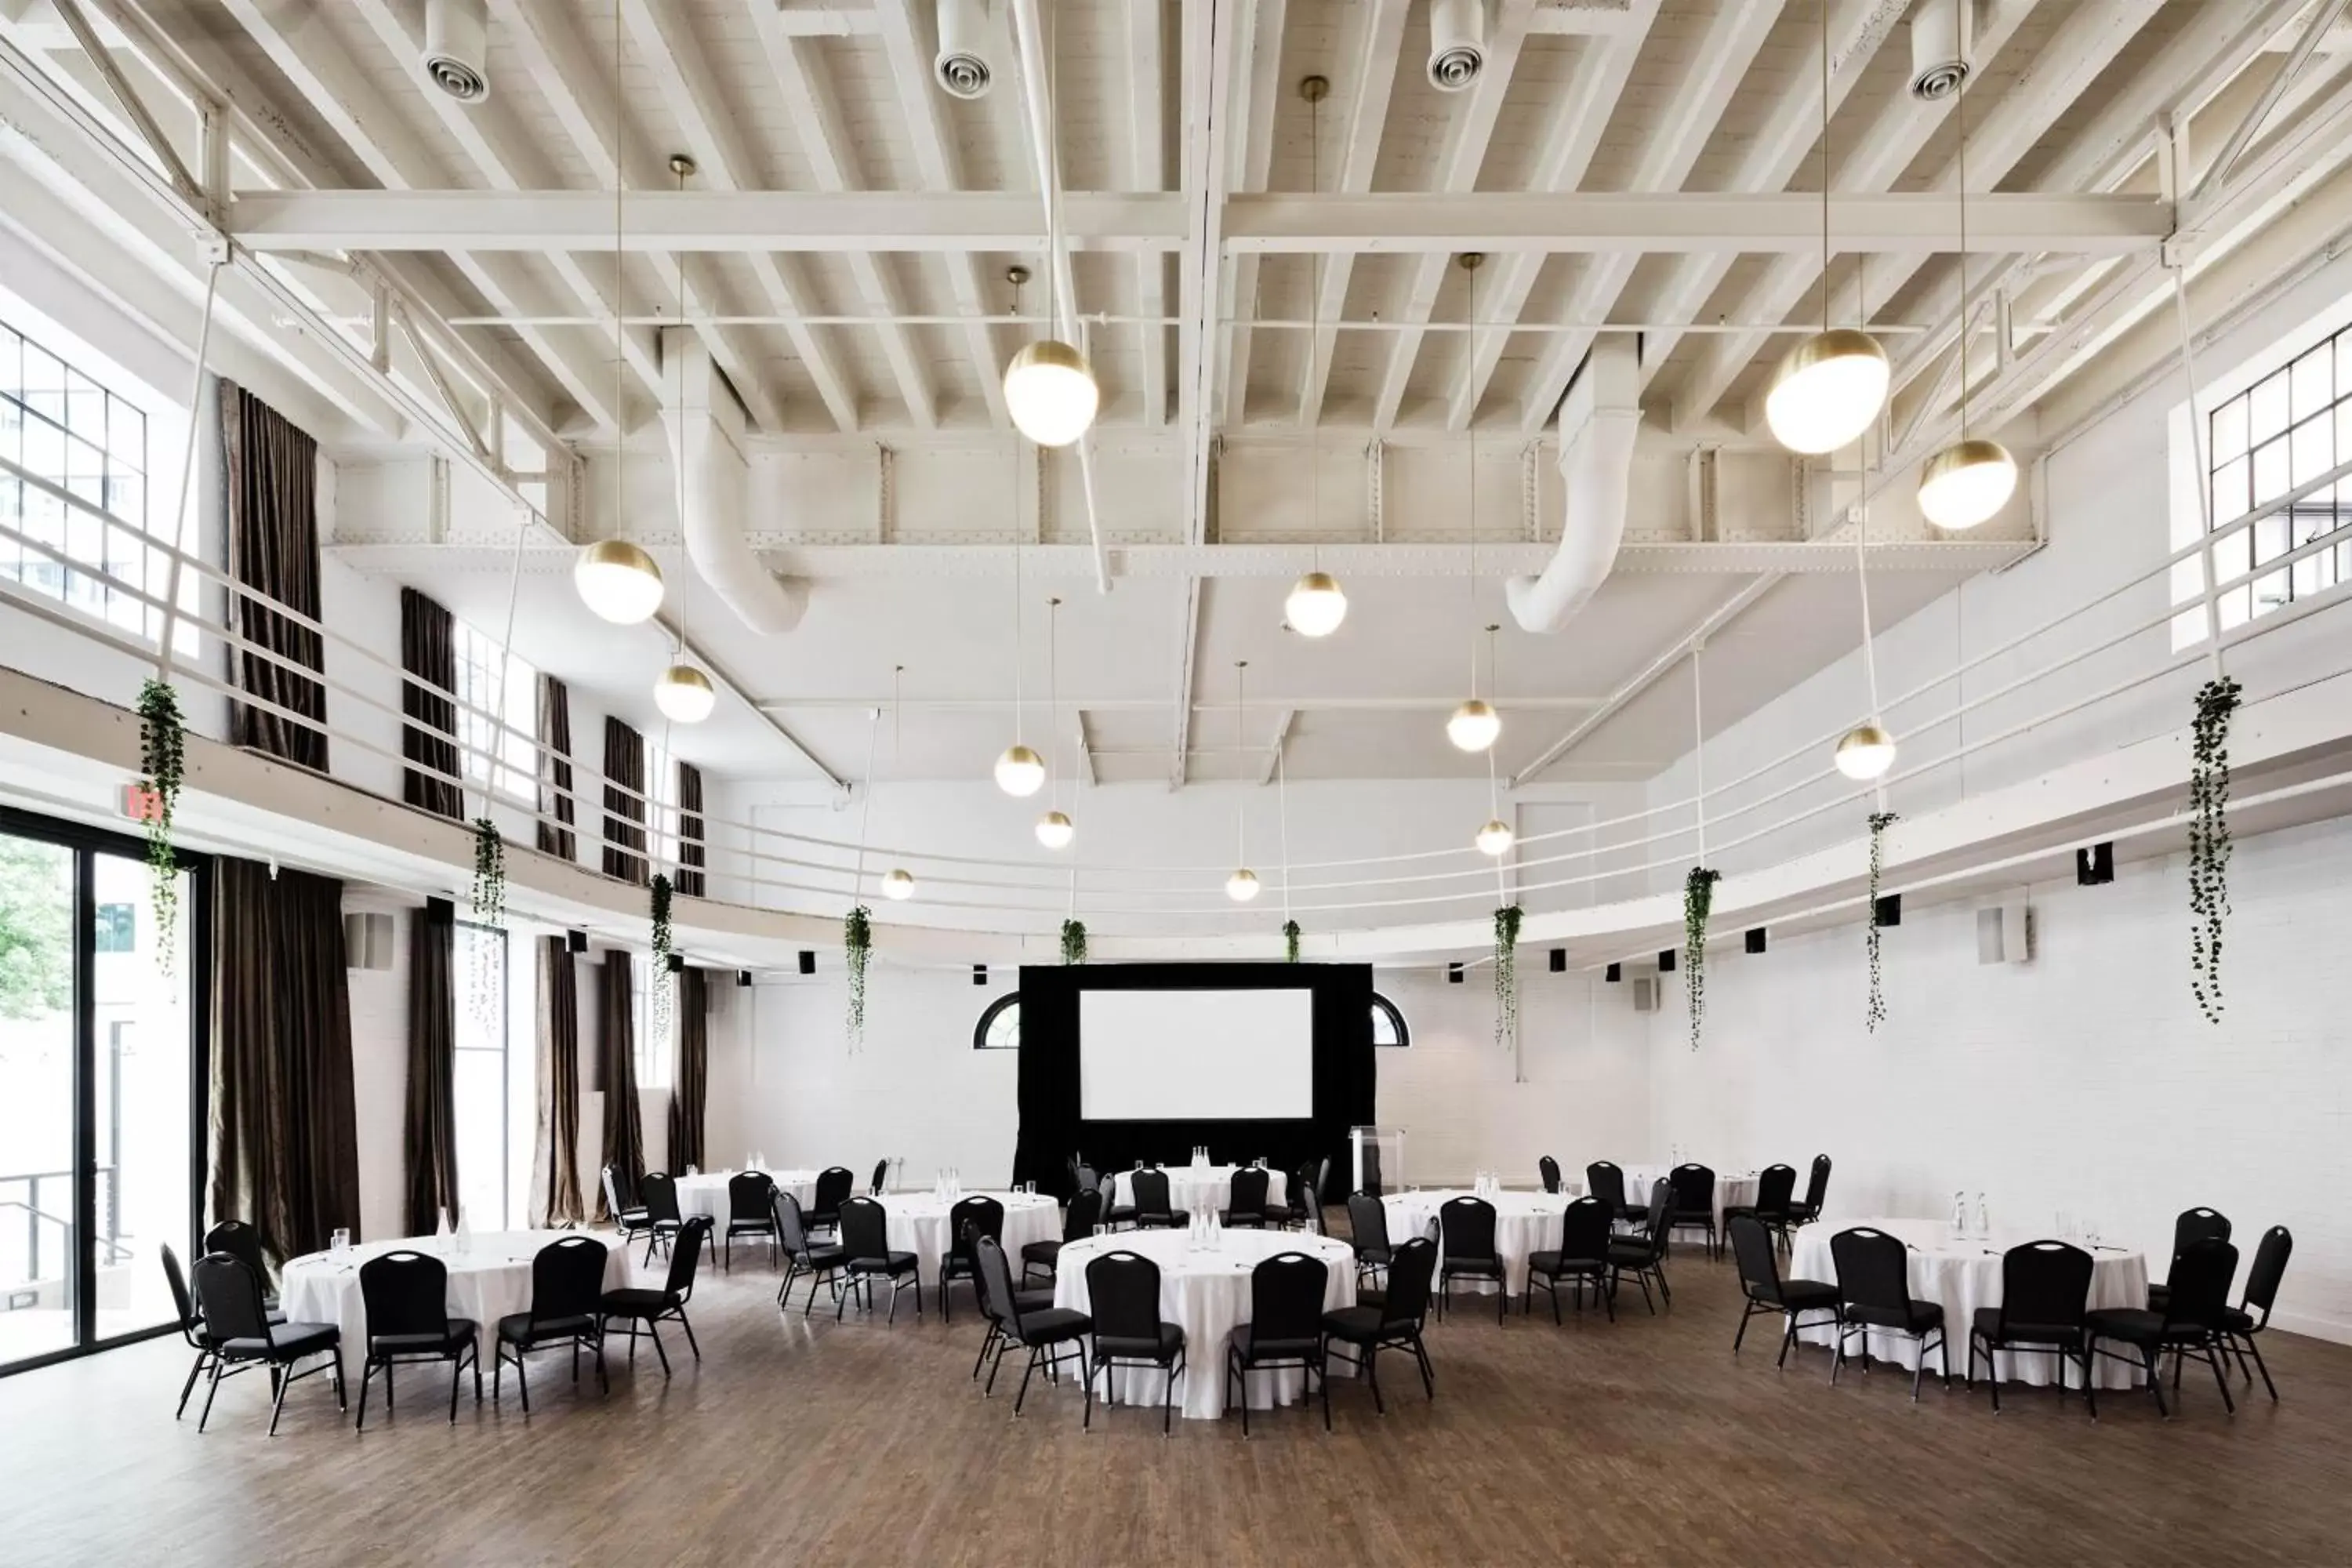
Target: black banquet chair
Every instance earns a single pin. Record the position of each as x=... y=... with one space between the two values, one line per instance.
x=2191 y=1227
x=228 y=1294
x=240 y=1240
x=191 y=1325
x=1153 y=1208
x=1467 y=1225
x=1367 y=1231
x=831 y=1190
x=1078 y=1222
x=823 y=1265
x=866 y=1242
x=1873 y=1281
x=977 y=1214
x=407 y=1299
x=629 y=1220
x=749 y=1211
x=1393 y=1322
x=1605 y=1179
x=1123 y=1293
x=1051 y=1334
x=664 y=1219
x=1773 y=1208
x=567 y=1285
x=2045 y=1292
x=1246 y=1197
x=1693 y=1186
x=2262 y=1290
x=881 y=1182
x=1548 y=1169
x=1582 y=1257
x=1766 y=1291
x=1285 y=1326
x=1807 y=1210
x=2192 y=1324
x=635 y=1304
x=1644 y=1254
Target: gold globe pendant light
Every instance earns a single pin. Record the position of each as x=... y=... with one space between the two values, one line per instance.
x=1049 y=387
x=1020 y=771
x=1473 y=726
x=1055 y=830
x=899 y=884
x=1316 y=605
x=1968 y=481
x=1866 y=752
x=1496 y=837
x=684 y=694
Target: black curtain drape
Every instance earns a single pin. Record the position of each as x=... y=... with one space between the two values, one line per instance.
x=555 y=754
x=428 y=651
x=283 y=1144
x=557 y=1158
x=691 y=855
x=616 y=1021
x=692 y=1010
x=269 y=506
x=1052 y=1129
x=430 y=1142
x=625 y=803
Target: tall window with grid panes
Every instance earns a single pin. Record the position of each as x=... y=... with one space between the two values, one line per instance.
x=2283 y=432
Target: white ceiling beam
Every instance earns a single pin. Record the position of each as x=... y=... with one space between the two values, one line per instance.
x=1237 y=286
x=716 y=141
x=1147 y=152
x=1465 y=150
x=1370 y=76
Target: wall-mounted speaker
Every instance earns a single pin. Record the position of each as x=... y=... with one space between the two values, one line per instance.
x=1453 y=974
x=808 y=961
x=1667 y=959
x=1646 y=994
x=575 y=942
x=1889 y=910
x=2095 y=866
x=367 y=940
x=2005 y=934
x=980 y=974
x=1613 y=974
x=1560 y=961
x=743 y=977
x=677 y=963
x=1756 y=939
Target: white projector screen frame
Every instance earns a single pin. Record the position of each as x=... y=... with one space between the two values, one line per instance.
x=1239 y=1055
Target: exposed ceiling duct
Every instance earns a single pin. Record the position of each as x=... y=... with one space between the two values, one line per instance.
x=965 y=66
x=1598 y=422
x=706 y=434
x=1457 y=43
x=1942 y=34
x=457 y=48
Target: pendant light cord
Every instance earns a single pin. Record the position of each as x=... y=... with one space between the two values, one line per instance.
x=865 y=812
x=677 y=412
x=2204 y=474
x=1825 y=165
x=1282 y=818
x=1698 y=741
x=1314 y=359
x=1016 y=592
x=1960 y=117
x=619 y=290
x=1241 y=806
x=1052 y=703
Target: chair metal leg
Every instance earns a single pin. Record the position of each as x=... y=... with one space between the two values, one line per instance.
x=2255 y=1346
x=456 y=1371
x=2155 y=1379
x=2213 y=1359
x=367 y=1370
x=278 y=1402
x=197 y=1371
x=1017 y=1399
x=689 y=1335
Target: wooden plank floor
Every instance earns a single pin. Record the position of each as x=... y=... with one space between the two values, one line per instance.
x=793 y=1443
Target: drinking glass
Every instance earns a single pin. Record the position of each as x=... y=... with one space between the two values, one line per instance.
x=2090 y=1231
x=339 y=1243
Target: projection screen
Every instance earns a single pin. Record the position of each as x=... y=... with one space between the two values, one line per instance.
x=1207 y=1055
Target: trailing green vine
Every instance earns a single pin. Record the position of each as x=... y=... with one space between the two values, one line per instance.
x=1074 y=941
x=1291 y=934
x=489 y=874
x=1699 y=900
x=857 y=947
x=664 y=945
x=1879 y=821
x=162 y=758
x=1506 y=975
x=2209 y=839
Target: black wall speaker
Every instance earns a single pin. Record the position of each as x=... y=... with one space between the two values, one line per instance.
x=1560 y=961
x=808 y=961
x=575 y=942
x=677 y=963
x=980 y=974
x=2095 y=866
x=1453 y=974
x=1614 y=974
x=1890 y=910
x=1667 y=958
x=742 y=977
x=1756 y=939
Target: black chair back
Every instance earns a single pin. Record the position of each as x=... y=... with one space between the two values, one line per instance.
x=2197 y=1288
x=1286 y=1300
x=685 y=1253
x=881 y=1176
x=1088 y=1178
x=1548 y=1168
x=186 y=1305
x=2261 y=1281
x=1371 y=1172
x=1662 y=1211
x=2198 y=1224
x=1368 y=1222
x=2044 y=1285
x=1751 y=1248
x=865 y=1228
x=1085 y=1213
x=747 y=1193
x=1150 y=1189
x=997 y=1298
x=1584 y=1229
x=1606 y=1181
x=613 y=1190
x=1694 y=1189
x=791 y=1229
x=1407 y=1298
x=239 y=1239
x=1817 y=1185
x=833 y=1184
x=1469 y=1226
x=228 y=1294
x=1777 y=1184
x=567 y=1279
x=1246 y=1193
x=406 y=1293
x=977 y=1214
x=1123 y=1296
x=657 y=1190
x=1872 y=1269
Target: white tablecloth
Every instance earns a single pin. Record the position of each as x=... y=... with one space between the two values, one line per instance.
x=707 y=1193
x=1962 y=1275
x=1524 y=1223
x=1198 y=1188
x=918 y=1224
x=1206 y=1294
x=488 y=1281
x=1733 y=1189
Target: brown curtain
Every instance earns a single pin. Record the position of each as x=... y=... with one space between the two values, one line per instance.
x=693 y=1014
x=430 y=1143
x=555 y=751
x=624 y=1138
x=284 y=1136
x=691 y=856
x=428 y=650
x=625 y=803
x=269 y=500
x=558 y=1155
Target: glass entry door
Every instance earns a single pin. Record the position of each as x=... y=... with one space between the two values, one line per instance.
x=38 y=1208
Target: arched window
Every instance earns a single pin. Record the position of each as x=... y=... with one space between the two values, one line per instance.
x=999 y=1028
x=1388 y=1024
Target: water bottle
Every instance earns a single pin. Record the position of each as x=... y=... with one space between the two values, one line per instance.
x=1984 y=1218
x=1960 y=1214
x=465 y=1234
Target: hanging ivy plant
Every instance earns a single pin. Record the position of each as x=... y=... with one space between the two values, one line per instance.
x=2209 y=840
x=489 y=874
x=662 y=982
x=857 y=946
x=1507 y=977
x=1878 y=825
x=1698 y=900
x=1074 y=941
x=1291 y=934
x=162 y=758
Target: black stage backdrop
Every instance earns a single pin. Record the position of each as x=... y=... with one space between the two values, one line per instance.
x=1052 y=1130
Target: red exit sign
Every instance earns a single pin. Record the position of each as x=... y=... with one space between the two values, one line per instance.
x=141 y=803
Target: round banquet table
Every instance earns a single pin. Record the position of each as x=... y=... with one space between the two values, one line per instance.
x=489 y=1280
x=1524 y=1223
x=1961 y=1274
x=1733 y=1189
x=706 y=1192
x=1196 y=1189
x=918 y=1224
x=1206 y=1293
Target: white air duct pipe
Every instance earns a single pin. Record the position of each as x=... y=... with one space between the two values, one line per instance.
x=457 y=48
x=1598 y=422
x=706 y=436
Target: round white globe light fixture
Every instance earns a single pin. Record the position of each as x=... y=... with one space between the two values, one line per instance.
x=1827 y=391
x=1497 y=838
x=1474 y=725
x=1866 y=752
x=1055 y=830
x=1050 y=391
x=684 y=694
x=898 y=883
x=1020 y=771
x=1242 y=886
x=1315 y=605
x=1966 y=483
x=618 y=581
